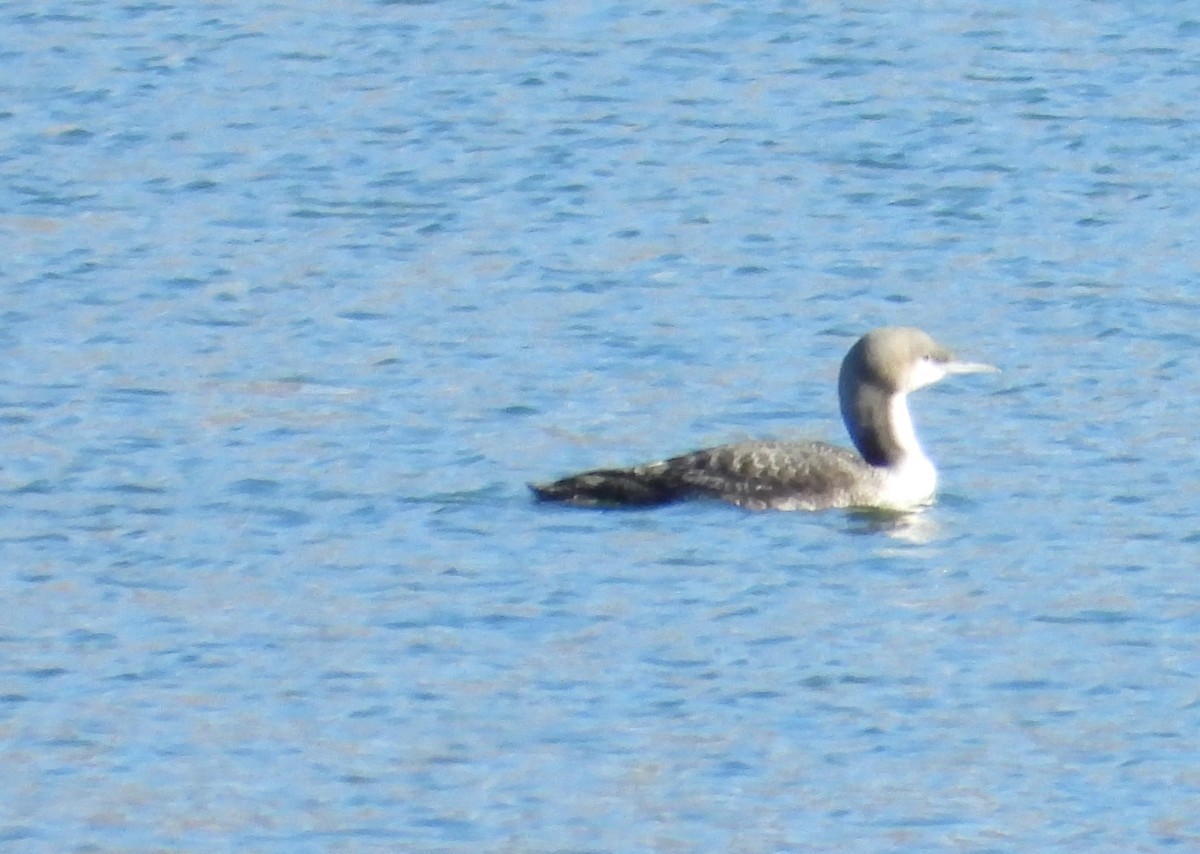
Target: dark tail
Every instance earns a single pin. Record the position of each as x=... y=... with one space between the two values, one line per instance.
x=635 y=487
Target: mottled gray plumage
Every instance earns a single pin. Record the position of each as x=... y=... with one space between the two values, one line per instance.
x=892 y=471
x=754 y=475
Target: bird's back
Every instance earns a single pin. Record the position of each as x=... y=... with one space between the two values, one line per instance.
x=756 y=475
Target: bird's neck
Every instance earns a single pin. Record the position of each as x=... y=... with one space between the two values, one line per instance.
x=881 y=427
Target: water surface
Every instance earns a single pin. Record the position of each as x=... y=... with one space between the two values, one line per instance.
x=298 y=297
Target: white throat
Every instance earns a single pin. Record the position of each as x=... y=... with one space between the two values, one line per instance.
x=912 y=479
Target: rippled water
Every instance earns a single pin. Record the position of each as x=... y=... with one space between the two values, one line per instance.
x=299 y=296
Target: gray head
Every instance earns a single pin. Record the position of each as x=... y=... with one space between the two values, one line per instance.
x=883 y=363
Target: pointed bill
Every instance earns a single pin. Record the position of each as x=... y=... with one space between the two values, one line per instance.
x=956 y=367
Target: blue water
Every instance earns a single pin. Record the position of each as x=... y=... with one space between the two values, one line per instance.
x=297 y=296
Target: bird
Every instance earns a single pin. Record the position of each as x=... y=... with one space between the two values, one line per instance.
x=890 y=470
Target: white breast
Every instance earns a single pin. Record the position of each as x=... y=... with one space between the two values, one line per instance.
x=911 y=483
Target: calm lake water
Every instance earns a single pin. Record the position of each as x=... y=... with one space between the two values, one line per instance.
x=297 y=297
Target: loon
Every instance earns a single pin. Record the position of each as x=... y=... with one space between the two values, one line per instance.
x=890 y=470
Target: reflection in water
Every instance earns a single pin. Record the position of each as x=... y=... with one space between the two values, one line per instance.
x=911 y=526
